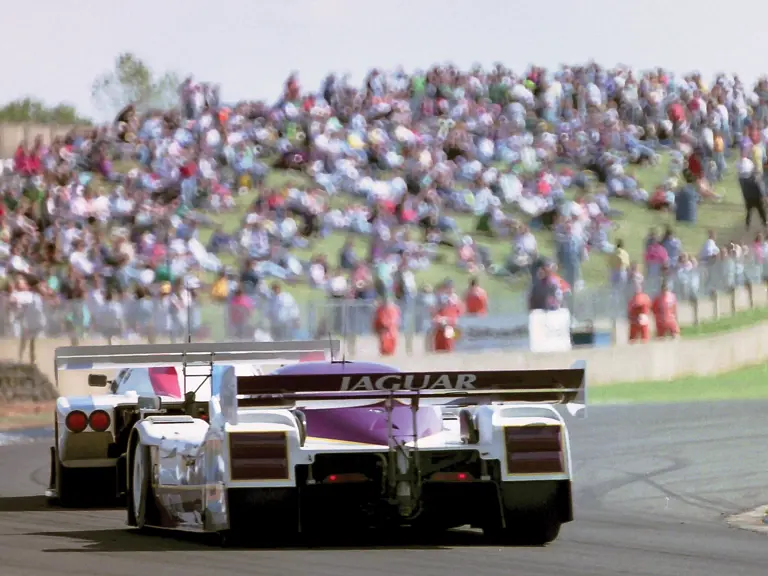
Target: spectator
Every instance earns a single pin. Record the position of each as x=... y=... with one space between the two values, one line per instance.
x=284 y=314
x=639 y=314
x=386 y=326
x=476 y=299
x=665 y=311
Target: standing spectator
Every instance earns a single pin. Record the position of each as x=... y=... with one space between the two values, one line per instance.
x=639 y=315
x=386 y=326
x=547 y=290
x=444 y=323
x=284 y=314
x=619 y=260
x=752 y=190
x=29 y=313
x=665 y=311
x=476 y=299
x=240 y=309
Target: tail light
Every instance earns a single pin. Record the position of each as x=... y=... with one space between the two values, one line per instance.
x=76 y=421
x=345 y=478
x=258 y=456
x=535 y=449
x=99 y=420
x=452 y=477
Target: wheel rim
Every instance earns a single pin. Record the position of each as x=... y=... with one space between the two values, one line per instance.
x=138 y=481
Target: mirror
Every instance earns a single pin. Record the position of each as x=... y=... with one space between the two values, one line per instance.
x=97 y=380
x=149 y=403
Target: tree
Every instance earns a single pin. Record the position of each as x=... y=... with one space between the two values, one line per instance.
x=133 y=82
x=32 y=110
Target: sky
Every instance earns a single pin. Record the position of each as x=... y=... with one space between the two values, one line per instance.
x=55 y=51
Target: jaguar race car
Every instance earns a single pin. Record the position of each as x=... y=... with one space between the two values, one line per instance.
x=88 y=461
x=339 y=446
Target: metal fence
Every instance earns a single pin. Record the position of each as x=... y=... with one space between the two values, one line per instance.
x=157 y=319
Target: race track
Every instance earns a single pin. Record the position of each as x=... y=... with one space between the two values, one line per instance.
x=651 y=496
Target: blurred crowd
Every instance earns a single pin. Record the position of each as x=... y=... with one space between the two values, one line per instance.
x=119 y=226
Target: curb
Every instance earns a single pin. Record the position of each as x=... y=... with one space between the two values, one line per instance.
x=753 y=520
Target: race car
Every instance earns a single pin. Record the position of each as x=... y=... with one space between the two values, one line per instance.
x=92 y=432
x=323 y=447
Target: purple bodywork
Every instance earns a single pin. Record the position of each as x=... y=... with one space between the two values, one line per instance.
x=365 y=424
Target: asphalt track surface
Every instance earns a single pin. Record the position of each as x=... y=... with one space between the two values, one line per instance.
x=653 y=486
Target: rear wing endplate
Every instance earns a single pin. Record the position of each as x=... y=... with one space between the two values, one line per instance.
x=167 y=355
x=564 y=386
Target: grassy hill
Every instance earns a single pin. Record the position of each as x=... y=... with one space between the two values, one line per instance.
x=725 y=217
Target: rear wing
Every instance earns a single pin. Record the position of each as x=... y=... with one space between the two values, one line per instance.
x=565 y=386
x=167 y=355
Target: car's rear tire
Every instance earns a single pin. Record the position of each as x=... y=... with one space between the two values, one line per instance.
x=70 y=489
x=533 y=527
x=140 y=500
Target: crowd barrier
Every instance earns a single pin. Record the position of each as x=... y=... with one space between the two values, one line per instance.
x=151 y=319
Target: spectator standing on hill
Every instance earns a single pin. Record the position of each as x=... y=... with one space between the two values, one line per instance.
x=619 y=263
x=753 y=191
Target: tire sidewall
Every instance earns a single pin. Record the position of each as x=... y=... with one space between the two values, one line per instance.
x=140 y=507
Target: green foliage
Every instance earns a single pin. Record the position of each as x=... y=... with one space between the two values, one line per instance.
x=133 y=82
x=32 y=110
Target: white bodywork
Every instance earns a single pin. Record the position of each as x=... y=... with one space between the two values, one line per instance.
x=192 y=467
x=90 y=449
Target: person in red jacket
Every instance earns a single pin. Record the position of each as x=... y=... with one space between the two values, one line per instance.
x=639 y=315
x=386 y=325
x=665 y=311
x=444 y=322
x=476 y=299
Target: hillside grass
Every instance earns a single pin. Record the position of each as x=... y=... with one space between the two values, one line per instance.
x=633 y=226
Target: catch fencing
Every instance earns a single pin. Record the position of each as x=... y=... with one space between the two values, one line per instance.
x=158 y=319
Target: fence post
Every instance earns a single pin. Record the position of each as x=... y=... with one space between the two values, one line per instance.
x=410 y=326
x=733 y=300
x=750 y=294
x=695 y=306
x=351 y=335
x=715 y=305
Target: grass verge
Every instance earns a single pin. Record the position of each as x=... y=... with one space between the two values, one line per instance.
x=742 y=319
x=22 y=415
x=745 y=384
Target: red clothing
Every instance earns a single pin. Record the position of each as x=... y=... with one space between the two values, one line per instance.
x=445 y=320
x=665 y=311
x=638 y=313
x=476 y=301
x=26 y=163
x=386 y=324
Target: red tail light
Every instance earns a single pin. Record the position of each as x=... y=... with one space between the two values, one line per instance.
x=345 y=478
x=534 y=450
x=76 y=421
x=452 y=477
x=99 y=420
x=258 y=456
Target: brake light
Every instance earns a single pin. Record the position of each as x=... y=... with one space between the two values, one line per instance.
x=99 y=420
x=345 y=478
x=535 y=449
x=451 y=477
x=76 y=421
x=258 y=456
